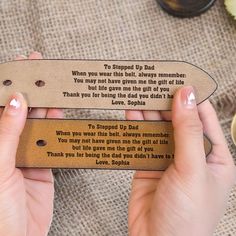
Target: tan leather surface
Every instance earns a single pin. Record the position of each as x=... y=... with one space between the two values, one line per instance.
x=144 y=145
x=143 y=85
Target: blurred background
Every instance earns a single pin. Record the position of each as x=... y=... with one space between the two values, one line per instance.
x=94 y=202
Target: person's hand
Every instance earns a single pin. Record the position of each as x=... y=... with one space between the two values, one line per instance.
x=190 y=197
x=26 y=195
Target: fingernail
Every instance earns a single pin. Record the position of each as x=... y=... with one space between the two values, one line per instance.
x=14 y=105
x=188 y=97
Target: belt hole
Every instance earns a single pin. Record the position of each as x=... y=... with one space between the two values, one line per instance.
x=41 y=143
x=40 y=83
x=7 y=82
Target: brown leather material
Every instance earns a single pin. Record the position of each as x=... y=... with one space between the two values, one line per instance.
x=144 y=145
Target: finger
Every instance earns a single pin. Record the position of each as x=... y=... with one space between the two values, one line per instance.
x=42 y=113
x=35 y=55
x=148 y=174
x=211 y=124
x=166 y=115
x=55 y=113
x=44 y=175
x=151 y=115
x=37 y=113
x=188 y=132
x=11 y=125
x=213 y=131
x=134 y=115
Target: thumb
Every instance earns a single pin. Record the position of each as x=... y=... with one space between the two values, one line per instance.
x=11 y=125
x=188 y=132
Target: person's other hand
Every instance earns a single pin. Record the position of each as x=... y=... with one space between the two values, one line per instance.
x=26 y=195
x=190 y=197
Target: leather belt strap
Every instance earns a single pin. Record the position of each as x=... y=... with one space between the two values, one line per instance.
x=133 y=85
x=97 y=84
x=144 y=145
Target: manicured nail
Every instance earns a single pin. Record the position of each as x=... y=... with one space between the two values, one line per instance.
x=14 y=105
x=188 y=97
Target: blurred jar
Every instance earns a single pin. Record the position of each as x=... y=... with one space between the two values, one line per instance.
x=185 y=8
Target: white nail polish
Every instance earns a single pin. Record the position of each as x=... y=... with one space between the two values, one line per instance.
x=14 y=103
x=190 y=99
